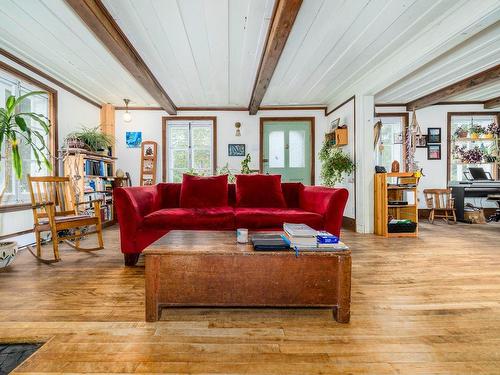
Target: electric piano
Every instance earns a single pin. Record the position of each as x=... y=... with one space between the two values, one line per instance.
x=471 y=189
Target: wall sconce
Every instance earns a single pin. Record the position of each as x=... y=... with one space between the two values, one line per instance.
x=127 y=116
x=238 y=131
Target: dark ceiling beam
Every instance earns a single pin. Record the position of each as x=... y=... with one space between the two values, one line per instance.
x=97 y=18
x=284 y=15
x=467 y=84
x=492 y=103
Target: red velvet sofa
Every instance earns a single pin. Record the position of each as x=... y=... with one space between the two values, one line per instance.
x=147 y=213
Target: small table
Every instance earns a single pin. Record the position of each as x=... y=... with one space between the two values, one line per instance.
x=208 y=268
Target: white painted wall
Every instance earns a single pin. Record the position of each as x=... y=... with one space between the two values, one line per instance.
x=434 y=117
x=150 y=124
x=72 y=113
x=346 y=115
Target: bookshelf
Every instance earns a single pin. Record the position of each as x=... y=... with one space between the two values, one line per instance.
x=92 y=175
x=391 y=187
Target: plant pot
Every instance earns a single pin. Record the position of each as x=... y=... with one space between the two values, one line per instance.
x=474 y=135
x=462 y=134
x=8 y=251
x=488 y=136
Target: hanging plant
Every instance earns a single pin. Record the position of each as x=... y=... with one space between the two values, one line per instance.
x=334 y=164
x=476 y=130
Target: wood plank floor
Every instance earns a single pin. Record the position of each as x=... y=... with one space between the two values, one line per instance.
x=419 y=306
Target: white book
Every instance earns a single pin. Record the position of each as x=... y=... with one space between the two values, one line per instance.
x=299 y=230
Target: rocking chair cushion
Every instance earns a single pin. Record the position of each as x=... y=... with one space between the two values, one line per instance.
x=60 y=219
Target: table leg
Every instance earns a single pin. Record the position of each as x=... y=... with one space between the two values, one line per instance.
x=342 y=311
x=152 y=285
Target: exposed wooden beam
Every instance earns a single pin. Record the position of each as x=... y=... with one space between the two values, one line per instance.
x=492 y=103
x=467 y=84
x=97 y=18
x=284 y=14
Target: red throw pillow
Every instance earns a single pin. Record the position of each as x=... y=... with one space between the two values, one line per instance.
x=198 y=192
x=259 y=190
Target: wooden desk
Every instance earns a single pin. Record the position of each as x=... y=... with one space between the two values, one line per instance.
x=208 y=268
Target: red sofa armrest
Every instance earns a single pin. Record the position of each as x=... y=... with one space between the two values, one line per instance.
x=132 y=204
x=328 y=202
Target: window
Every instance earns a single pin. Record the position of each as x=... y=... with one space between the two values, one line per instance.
x=17 y=191
x=190 y=148
x=391 y=143
x=471 y=145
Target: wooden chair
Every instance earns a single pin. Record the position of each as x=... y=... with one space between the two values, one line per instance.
x=441 y=204
x=55 y=210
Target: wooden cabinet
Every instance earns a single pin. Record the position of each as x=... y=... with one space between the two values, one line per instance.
x=391 y=188
x=339 y=136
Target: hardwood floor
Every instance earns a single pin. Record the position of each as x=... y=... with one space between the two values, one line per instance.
x=419 y=306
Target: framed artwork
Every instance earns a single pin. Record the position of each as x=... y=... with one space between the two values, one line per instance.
x=434 y=135
x=433 y=152
x=133 y=139
x=149 y=150
x=334 y=124
x=398 y=138
x=236 y=149
x=421 y=141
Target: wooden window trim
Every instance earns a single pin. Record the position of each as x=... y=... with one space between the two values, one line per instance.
x=53 y=134
x=164 y=141
x=449 y=115
x=312 y=123
x=406 y=124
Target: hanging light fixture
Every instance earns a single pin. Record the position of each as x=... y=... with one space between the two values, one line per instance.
x=127 y=116
x=238 y=131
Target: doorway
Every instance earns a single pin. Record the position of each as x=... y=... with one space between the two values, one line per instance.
x=287 y=148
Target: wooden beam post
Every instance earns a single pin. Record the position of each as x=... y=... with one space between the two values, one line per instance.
x=284 y=14
x=97 y=18
x=467 y=84
x=492 y=103
x=108 y=123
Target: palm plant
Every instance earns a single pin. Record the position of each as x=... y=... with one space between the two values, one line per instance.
x=14 y=129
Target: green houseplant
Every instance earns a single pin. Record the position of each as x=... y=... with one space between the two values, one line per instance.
x=15 y=130
x=334 y=163
x=91 y=138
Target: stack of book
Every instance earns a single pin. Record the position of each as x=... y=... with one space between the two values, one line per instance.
x=303 y=238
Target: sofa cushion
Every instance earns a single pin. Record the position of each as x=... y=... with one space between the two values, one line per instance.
x=273 y=218
x=191 y=218
x=199 y=192
x=259 y=190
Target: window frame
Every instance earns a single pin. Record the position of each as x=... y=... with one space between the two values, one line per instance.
x=52 y=115
x=449 y=135
x=405 y=121
x=165 y=148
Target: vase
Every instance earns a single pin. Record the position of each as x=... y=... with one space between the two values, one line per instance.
x=488 y=135
x=8 y=251
x=462 y=134
x=474 y=135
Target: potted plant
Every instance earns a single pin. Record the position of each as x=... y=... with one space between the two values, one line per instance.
x=335 y=163
x=493 y=130
x=245 y=165
x=472 y=156
x=461 y=131
x=475 y=131
x=16 y=130
x=91 y=139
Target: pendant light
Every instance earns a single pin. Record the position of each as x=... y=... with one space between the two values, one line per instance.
x=238 y=131
x=127 y=116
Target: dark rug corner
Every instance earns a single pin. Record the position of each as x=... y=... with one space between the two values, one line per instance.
x=11 y=355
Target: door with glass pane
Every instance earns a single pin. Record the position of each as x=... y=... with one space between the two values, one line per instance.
x=391 y=143
x=286 y=150
x=190 y=149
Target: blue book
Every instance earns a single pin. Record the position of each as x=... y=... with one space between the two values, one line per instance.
x=325 y=237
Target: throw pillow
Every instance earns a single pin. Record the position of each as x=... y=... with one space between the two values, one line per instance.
x=259 y=190
x=198 y=192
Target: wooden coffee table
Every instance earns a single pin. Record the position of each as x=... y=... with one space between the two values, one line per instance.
x=208 y=268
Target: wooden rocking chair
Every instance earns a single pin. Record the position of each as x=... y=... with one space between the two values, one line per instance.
x=441 y=204
x=55 y=210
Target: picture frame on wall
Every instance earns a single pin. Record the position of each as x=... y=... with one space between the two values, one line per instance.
x=433 y=152
x=434 y=135
x=334 y=124
x=236 y=149
x=133 y=139
x=421 y=141
x=398 y=138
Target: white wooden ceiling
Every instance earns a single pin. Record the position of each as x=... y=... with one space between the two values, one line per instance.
x=48 y=35
x=337 y=48
x=206 y=53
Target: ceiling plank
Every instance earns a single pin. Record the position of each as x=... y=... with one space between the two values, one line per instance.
x=469 y=83
x=492 y=103
x=284 y=15
x=98 y=19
